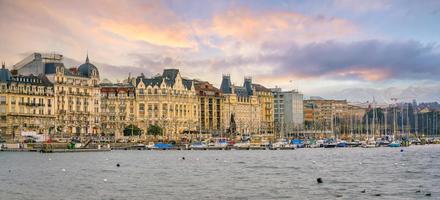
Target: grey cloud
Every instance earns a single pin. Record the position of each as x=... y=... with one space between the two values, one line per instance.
x=404 y=60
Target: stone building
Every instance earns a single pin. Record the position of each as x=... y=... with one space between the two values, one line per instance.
x=117 y=108
x=26 y=104
x=241 y=108
x=167 y=100
x=210 y=109
x=76 y=92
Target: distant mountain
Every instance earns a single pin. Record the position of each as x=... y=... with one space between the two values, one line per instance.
x=421 y=94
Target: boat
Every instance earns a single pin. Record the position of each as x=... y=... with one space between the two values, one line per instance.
x=280 y=144
x=383 y=143
x=355 y=143
x=198 y=145
x=150 y=145
x=242 y=145
x=342 y=143
x=369 y=144
x=329 y=143
x=163 y=146
x=394 y=144
x=298 y=143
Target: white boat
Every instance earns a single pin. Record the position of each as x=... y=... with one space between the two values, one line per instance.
x=150 y=145
x=370 y=143
x=198 y=145
x=242 y=145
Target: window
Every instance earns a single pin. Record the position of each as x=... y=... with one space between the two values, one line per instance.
x=141 y=108
x=141 y=91
x=2 y=99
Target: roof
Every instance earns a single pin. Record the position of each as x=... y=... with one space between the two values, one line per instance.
x=205 y=88
x=40 y=80
x=226 y=86
x=87 y=68
x=5 y=75
x=261 y=88
x=168 y=75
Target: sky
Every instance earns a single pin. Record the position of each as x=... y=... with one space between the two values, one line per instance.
x=343 y=49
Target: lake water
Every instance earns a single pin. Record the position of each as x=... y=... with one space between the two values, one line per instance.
x=224 y=174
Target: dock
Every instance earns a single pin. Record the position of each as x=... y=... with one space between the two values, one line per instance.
x=73 y=150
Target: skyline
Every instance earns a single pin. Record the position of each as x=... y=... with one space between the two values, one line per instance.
x=323 y=49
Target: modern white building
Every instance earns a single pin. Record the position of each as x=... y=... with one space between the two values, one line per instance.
x=289 y=110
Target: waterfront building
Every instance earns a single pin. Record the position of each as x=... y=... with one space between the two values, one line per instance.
x=266 y=102
x=76 y=92
x=241 y=109
x=321 y=113
x=328 y=116
x=117 y=108
x=289 y=111
x=167 y=100
x=210 y=109
x=26 y=104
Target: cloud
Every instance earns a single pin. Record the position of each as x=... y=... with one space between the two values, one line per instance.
x=370 y=60
x=363 y=6
x=246 y=28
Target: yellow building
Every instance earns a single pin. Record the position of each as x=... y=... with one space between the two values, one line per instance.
x=26 y=105
x=167 y=100
x=76 y=91
x=210 y=109
x=266 y=102
x=117 y=108
x=241 y=109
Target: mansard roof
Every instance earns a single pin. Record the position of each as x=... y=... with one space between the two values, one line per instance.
x=40 y=80
x=260 y=88
x=168 y=76
x=5 y=75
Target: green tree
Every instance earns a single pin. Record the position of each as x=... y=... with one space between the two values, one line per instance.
x=132 y=130
x=154 y=130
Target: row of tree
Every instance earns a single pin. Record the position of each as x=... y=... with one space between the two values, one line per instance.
x=132 y=130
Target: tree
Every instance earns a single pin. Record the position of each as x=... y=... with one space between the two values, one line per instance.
x=132 y=130
x=154 y=130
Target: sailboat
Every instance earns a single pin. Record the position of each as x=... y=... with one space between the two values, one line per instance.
x=370 y=142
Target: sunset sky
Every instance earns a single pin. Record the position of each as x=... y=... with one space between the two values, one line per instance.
x=322 y=48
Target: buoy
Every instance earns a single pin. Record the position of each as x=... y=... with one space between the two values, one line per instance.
x=105 y=180
x=377 y=195
x=401 y=150
x=63 y=170
x=363 y=191
x=50 y=158
x=183 y=158
x=418 y=191
x=118 y=165
x=360 y=163
x=216 y=159
x=319 y=180
x=428 y=194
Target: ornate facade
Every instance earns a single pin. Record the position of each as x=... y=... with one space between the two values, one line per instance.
x=117 y=108
x=76 y=92
x=210 y=101
x=26 y=104
x=167 y=100
x=241 y=109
